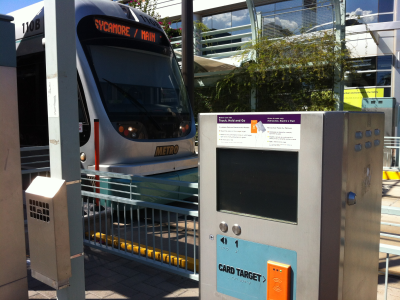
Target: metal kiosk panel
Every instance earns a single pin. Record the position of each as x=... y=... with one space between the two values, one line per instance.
x=298 y=191
x=47 y=214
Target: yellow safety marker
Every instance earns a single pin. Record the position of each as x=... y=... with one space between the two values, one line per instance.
x=391 y=175
x=101 y=237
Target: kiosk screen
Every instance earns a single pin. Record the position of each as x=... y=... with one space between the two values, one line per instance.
x=258 y=183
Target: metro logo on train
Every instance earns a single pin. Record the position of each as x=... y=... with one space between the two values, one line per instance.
x=166 y=150
x=128 y=31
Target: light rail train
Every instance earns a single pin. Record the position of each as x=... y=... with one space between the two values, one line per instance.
x=128 y=78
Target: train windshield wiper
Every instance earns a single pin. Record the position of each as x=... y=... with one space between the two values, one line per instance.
x=135 y=102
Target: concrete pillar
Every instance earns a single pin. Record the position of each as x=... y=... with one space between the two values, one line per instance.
x=13 y=274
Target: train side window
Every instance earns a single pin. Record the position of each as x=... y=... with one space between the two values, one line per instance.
x=32 y=100
x=83 y=115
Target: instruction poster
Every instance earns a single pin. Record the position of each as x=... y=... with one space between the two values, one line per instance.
x=275 y=131
x=353 y=97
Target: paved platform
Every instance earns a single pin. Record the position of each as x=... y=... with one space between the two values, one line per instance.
x=390 y=197
x=393 y=290
x=110 y=277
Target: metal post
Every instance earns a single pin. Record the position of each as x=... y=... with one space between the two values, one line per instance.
x=386 y=275
x=253 y=99
x=13 y=281
x=97 y=157
x=187 y=48
x=197 y=35
x=257 y=32
x=62 y=101
x=340 y=33
x=253 y=19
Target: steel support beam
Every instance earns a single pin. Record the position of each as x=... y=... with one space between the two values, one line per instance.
x=340 y=34
x=197 y=39
x=62 y=101
x=256 y=23
x=187 y=48
x=253 y=19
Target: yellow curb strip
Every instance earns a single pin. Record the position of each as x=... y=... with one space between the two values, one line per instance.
x=391 y=175
x=101 y=237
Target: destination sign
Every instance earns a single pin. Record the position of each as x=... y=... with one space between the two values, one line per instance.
x=127 y=31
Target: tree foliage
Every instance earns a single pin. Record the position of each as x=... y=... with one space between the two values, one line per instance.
x=147 y=6
x=289 y=74
x=171 y=32
x=150 y=7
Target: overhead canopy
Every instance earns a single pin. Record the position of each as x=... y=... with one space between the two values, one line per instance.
x=208 y=64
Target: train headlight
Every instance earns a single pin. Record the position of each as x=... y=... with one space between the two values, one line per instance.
x=131 y=130
x=184 y=128
x=83 y=156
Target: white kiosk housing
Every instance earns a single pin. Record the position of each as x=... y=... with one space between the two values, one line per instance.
x=290 y=205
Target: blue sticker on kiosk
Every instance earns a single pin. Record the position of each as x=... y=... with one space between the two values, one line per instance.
x=242 y=267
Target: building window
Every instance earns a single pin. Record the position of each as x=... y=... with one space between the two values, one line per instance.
x=371 y=71
x=383 y=78
x=385 y=6
x=362 y=8
x=385 y=18
x=385 y=62
x=224 y=21
x=360 y=79
x=369 y=11
x=176 y=25
x=239 y=18
x=365 y=63
x=295 y=17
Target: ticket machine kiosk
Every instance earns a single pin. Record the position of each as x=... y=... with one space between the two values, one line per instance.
x=290 y=205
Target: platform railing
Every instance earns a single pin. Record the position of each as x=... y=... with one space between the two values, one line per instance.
x=34 y=161
x=389 y=249
x=140 y=218
x=129 y=216
x=391 y=153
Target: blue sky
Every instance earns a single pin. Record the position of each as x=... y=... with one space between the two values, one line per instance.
x=7 y=6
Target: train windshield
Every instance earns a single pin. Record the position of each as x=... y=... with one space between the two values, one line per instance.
x=141 y=86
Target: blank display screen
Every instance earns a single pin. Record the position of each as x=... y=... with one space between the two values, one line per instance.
x=258 y=183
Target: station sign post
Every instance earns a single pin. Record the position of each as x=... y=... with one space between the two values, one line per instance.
x=62 y=103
